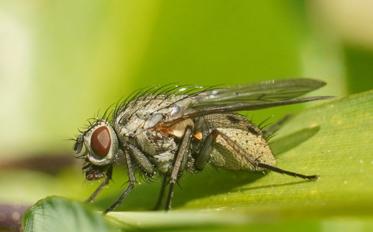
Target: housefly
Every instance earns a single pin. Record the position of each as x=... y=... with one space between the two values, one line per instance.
x=169 y=130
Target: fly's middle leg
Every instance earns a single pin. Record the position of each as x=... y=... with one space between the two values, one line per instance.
x=177 y=165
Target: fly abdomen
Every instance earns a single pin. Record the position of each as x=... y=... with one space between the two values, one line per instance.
x=238 y=144
x=236 y=149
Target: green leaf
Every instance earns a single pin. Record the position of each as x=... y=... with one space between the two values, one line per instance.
x=178 y=218
x=58 y=214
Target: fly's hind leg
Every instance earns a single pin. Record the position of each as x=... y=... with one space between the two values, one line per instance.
x=161 y=193
x=289 y=173
x=204 y=154
x=257 y=164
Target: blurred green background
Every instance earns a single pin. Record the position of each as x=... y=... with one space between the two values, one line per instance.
x=61 y=62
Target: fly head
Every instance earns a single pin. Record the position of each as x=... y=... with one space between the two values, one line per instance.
x=98 y=146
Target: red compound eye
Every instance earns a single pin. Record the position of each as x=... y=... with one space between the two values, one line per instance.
x=100 y=141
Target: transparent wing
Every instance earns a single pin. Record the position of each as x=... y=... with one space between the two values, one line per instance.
x=268 y=91
x=251 y=97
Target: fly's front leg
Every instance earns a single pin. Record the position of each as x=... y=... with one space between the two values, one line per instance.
x=180 y=155
x=141 y=160
x=130 y=186
x=144 y=163
x=257 y=164
x=106 y=181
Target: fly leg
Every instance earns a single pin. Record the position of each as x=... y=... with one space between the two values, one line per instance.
x=289 y=173
x=161 y=193
x=147 y=167
x=141 y=160
x=106 y=181
x=130 y=186
x=206 y=149
x=257 y=164
x=177 y=166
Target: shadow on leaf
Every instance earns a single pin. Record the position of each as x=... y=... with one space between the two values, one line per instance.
x=275 y=185
x=288 y=142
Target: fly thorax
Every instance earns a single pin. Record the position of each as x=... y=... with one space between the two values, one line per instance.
x=153 y=142
x=131 y=128
x=164 y=161
x=178 y=129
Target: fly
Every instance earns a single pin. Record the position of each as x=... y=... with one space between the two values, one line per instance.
x=169 y=130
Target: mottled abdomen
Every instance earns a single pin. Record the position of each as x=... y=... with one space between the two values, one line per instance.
x=238 y=141
x=227 y=156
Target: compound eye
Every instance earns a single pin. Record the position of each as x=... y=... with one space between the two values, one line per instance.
x=101 y=141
